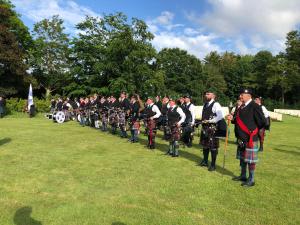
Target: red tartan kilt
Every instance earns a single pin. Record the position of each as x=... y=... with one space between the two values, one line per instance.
x=151 y=124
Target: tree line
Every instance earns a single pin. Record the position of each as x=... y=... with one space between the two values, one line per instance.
x=113 y=53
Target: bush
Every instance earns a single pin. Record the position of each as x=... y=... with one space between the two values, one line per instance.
x=42 y=105
x=20 y=105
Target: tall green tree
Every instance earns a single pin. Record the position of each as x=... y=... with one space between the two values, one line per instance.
x=229 y=69
x=293 y=56
x=260 y=63
x=15 y=41
x=283 y=75
x=50 y=55
x=183 y=72
x=293 y=46
x=113 y=54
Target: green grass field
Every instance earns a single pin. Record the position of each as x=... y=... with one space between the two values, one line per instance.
x=66 y=175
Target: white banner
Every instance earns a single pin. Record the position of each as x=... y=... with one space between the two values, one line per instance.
x=30 y=97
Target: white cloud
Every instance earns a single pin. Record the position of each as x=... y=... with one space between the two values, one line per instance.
x=190 y=31
x=271 y=17
x=69 y=11
x=171 y=35
x=199 y=45
x=163 y=21
x=165 y=18
x=264 y=23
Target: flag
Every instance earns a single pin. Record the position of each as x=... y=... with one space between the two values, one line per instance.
x=30 y=97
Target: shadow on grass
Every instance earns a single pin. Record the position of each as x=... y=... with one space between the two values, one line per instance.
x=5 y=141
x=118 y=223
x=288 y=151
x=187 y=155
x=23 y=217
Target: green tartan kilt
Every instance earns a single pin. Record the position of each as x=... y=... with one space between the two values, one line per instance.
x=248 y=155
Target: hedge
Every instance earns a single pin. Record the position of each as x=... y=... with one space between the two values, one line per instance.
x=19 y=105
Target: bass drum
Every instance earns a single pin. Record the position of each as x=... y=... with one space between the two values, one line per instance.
x=59 y=117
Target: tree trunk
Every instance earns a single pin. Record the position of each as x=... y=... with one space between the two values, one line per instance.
x=48 y=92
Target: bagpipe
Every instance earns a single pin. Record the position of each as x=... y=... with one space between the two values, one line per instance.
x=218 y=129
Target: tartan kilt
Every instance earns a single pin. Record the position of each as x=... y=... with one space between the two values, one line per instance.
x=248 y=155
x=175 y=133
x=208 y=139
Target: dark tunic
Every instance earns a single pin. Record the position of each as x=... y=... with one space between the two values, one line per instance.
x=188 y=114
x=53 y=104
x=124 y=104
x=173 y=119
x=253 y=117
x=134 y=111
x=159 y=105
x=73 y=104
x=148 y=112
x=59 y=105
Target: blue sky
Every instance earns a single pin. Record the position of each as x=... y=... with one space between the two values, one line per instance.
x=198 y=26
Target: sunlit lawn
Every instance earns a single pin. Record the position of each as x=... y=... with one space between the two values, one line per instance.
x=68 y=174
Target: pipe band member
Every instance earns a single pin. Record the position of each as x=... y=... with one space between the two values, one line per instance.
x=152 y=113
x=211 y=115
x=176 y=117
x=188 y=125
x=248 y=120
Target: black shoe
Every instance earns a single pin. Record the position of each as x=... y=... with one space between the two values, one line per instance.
x=175 y=155
x=248 y=183
x=168 y=153
x=204 y=163
x=152 y=147
x=239 y=178
x=261 y=148
x=212 y=168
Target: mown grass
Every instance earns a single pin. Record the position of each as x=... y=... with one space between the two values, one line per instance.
x=67 y=174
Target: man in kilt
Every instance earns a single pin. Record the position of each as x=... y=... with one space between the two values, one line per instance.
x=113 y=116
x=248 y=119
x=176 y=117
x=188 y=125
x=211 y=115
x=262 y=131
x=103 y=108
x=152 y=113
x=124 y=105
x=134 y=119
x=163 y=119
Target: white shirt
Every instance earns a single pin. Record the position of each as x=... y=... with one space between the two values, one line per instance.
x=192 y=110
x=265 y=111
x=216 y=109
x=156 y=110
x=247 y=103
x=181 y=113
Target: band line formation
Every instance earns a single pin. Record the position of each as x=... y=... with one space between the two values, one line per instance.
x=176 y=119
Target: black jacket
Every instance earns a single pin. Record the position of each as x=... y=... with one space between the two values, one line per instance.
x=253 y=117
